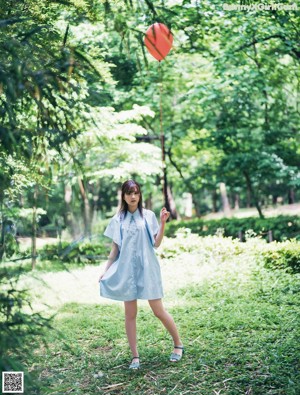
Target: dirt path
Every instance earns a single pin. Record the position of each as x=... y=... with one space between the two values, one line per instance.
x=81 y=285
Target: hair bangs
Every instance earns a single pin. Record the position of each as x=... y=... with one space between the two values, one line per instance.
x=131 y=187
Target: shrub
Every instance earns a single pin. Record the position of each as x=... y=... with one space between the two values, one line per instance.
x=284 y=255
x=282 y=227
x=209 y=246
x=80 y=252
x=19 y=326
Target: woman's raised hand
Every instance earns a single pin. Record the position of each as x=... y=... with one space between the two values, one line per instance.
x=164 y=215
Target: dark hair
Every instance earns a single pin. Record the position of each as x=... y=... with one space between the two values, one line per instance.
x=128 y=187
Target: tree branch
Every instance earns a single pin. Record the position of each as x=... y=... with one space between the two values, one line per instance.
x=169 y=153
x=256 y=41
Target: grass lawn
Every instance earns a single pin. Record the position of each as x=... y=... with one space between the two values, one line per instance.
x=239 y=323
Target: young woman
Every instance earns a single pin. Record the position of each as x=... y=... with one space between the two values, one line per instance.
x=132 y=271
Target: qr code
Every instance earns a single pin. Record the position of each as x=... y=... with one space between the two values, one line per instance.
x=12 y=382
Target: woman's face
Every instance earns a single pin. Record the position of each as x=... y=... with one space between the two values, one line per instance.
x=132 y=198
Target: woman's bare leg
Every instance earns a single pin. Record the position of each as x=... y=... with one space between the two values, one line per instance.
x=168 y=321
x=130 y=325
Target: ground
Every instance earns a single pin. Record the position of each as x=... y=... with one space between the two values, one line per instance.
x=238 y=322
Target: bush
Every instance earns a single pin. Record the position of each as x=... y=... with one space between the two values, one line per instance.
x=187 y=242
x=284 y=255
x=78 y=252
x=19 y=326
x=282 y=227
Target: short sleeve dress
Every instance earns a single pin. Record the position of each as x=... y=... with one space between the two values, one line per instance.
x=136 y=272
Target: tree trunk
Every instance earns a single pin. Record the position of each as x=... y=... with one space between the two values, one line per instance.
x=86 y=209
x=248 y=204
x=197 y=207
x=172 y=205
x=253 y=194
x=2 y=246
x=148 y=203
x=69 y=218
x=291 y=196
x=93 y=213
x=236 y=201
x=165 y=185
x=34 y=230
x=225 y=201
x=188 y=210
x=169 y=202
x=214 y=201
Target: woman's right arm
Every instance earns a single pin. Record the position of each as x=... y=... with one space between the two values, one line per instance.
x=111 y=258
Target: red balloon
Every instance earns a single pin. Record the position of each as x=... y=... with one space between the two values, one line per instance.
x=158 y=40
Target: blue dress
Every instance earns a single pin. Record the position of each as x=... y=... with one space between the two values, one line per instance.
x=136 y=272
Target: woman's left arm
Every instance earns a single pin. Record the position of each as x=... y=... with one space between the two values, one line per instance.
x=164 y=215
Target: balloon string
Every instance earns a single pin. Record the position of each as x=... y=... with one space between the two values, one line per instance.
x=162 y=136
